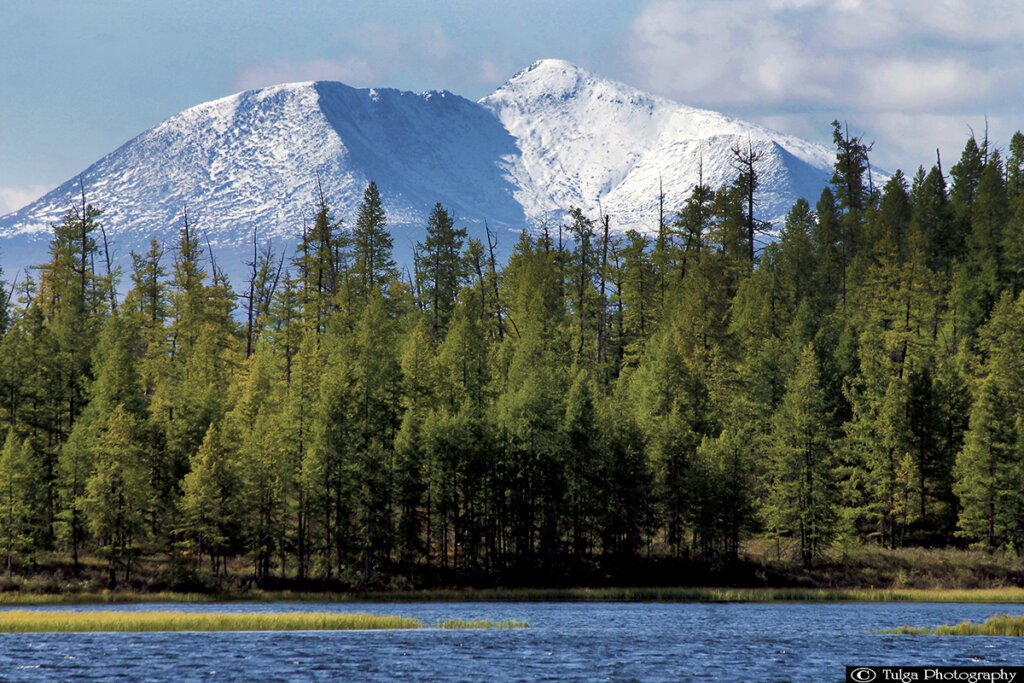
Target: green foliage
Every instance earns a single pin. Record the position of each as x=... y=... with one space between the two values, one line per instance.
x=209 y=501
x=991 y=462
x=722 y=511
x=21 y=500
x=117 y=493
x=996 y=625
x=372 y=264
x=801 y=502
x=319 y=264
x=600 y=398
x=442 y=268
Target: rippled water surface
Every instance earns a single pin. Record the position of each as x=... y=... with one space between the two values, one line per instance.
x=566 y=642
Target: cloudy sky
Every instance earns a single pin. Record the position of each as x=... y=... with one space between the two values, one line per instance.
x=80 y=77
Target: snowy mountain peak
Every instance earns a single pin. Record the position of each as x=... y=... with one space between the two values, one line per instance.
x=550 y=64
x=588 y=141
x=552 y=136
x=554 y=76
x=556 y=79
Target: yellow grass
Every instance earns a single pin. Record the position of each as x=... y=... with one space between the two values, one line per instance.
x=482 y=623
x=61 y=621
x=54 y=621
x=996 y=625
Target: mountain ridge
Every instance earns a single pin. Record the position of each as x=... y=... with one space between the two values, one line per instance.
x=552 y=136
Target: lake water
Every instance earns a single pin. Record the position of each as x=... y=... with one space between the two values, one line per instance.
x=566 y=642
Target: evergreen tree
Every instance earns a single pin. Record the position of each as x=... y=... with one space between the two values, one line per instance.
x=931 y=224
x=986 y=470
x=674 y=410
x=891 y=223
x=190 y=392
x=693 y=223
x=303 y=370
x=254 y=427
x=583 y=268
x=723 y=496
x=982 y=276
x=829 y=257
x=117 y=387
x=626 y=485
x=639 y=296
x=442 y=267
x=462 y=363
x=147 y=307
x=582 y=464
x=319 y=266
x=729 y=231
x=966 y=175
x=419 y=382
x=853 y=197
x=72 y=301
x=797 y=258
x=372 y=263
x=1015 y=167
x=761 y=315
x=801 y=503
x=22 y=510
x=209 y=502
x=5 y=305
x=117 y=494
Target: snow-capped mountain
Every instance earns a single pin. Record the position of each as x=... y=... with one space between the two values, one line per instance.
x=584 y=139
x=552 y=136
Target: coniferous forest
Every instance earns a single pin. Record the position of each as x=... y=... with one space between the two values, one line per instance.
x=597 y=401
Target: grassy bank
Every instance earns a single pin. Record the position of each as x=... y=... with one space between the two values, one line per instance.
x=27 y=621
x=687 y=594
x=690 y=594
x=482 y=623
x=996 y=625
x=23 y=621
x=857 y=573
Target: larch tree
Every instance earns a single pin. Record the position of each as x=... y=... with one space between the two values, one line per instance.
x=118 y=495
x=210 y=502
x=801 y=499
x=442 y=266
x=373 y=266
x=22 y=506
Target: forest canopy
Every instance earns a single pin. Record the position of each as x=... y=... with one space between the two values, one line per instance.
x=597 y=397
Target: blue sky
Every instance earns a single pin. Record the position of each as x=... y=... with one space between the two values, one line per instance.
x=79 y=78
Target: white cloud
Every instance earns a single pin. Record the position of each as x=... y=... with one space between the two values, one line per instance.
x=893 y=68
x=907 y=85
x=14 y=197
x=918 y=136
x=845 y=53
x=981 y=21
x=489 y=72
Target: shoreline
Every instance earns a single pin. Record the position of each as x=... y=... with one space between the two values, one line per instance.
x=639 y=595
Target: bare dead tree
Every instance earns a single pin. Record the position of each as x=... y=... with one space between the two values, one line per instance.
x=603 y=304
x=744 y=162
x=492 y=242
